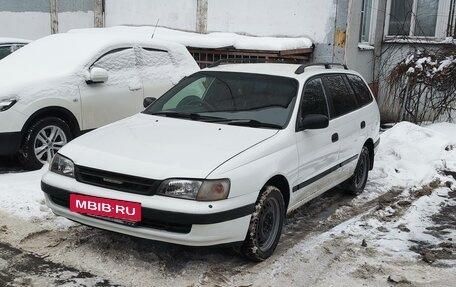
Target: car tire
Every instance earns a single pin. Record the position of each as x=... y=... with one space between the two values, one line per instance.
x=265 y=225
x=356 y=184
x=42 y=140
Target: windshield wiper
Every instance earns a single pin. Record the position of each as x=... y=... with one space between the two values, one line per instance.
x=253 y=123
x=181 y=115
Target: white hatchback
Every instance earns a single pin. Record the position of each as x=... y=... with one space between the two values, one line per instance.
x=63 y=85
x=222 y=156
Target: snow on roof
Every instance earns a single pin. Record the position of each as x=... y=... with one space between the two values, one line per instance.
x=210 y=41
x=4 y=40
x=63 y=54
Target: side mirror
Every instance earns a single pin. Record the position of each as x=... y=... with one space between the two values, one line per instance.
x=148 y=101
x=314 y=122
x=97 y=75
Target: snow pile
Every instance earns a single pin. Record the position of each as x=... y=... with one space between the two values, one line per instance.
x=410 y=155
x=211 y=40
x=21 y=194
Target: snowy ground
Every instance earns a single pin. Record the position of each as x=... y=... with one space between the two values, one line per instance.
x=400 y=232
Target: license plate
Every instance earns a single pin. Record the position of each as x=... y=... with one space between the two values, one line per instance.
x=105 y=208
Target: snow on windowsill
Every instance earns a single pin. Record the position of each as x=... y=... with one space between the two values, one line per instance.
x=365 y=47
x=419 y=40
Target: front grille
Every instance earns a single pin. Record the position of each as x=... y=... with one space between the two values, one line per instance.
x=64 y=200
x=117 y=181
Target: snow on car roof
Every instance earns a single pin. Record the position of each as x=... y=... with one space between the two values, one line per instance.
x=4 y=40
x=210 y=40
x=63 y=54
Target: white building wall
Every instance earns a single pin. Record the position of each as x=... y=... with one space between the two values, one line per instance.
x=26 y=25
x=312 y=19
x=177 y=14
x=75 y=20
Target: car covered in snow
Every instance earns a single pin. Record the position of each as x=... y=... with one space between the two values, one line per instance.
x=10 y=45
x=63 y=85
x=222 y=157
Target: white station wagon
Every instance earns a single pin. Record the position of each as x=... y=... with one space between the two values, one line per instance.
x=222 y=156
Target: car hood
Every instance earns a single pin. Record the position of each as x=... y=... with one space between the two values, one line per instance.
x=159 y=147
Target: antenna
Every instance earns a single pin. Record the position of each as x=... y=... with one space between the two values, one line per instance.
x=155 y=28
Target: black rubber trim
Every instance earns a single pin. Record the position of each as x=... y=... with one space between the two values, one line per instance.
x=377 y=143
x=10 y=143
x=170 y=216
x=323 y=174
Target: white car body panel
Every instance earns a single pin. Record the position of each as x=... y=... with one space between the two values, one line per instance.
x=159 y=157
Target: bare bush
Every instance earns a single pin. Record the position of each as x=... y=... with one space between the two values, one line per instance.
x=422 y=87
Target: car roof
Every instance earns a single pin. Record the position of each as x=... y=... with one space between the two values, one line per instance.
x=5 y=40
x=279 y=69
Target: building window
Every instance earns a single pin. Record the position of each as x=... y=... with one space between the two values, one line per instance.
x=366 y=16
x=413 y=18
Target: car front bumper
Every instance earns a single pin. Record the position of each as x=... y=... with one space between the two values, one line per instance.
x=178 y=221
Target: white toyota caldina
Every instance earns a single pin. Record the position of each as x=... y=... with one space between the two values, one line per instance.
x=222 y=156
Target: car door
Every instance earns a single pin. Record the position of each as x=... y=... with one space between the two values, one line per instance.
x=345 y=120
x=120 y=96
x=157 y=71
x=317 y=149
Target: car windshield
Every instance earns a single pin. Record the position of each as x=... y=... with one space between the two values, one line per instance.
x=244 y=99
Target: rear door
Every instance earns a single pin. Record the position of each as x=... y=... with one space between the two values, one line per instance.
x=345 y=118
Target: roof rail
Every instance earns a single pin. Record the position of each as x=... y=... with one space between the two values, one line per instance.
x=246 y=60
x=328 y=66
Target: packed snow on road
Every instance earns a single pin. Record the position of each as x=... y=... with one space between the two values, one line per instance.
x=400 y=230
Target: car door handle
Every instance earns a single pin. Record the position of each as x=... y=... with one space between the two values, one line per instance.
x=363 y=124
x=335 y=137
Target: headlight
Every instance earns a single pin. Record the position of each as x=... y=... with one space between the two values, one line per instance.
x=202 y=190
x=7 y=103
x=62 y=165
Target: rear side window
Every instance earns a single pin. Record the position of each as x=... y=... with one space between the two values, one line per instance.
x=342 y=100
x=361 y=90
x=4 y=51
x=313 y=99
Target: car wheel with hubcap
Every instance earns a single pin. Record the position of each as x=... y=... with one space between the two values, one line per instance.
x=42 y=141
x=265 y=225
x=355 y=184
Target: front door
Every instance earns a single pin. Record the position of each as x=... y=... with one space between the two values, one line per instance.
x=117 y=98
x=317 y=149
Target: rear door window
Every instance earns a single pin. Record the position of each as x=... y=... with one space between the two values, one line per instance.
x=342 y=100
x=361 y=90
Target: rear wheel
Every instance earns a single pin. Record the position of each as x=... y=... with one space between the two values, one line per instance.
x=355 y=184
x=42 y=141
x=265 y=225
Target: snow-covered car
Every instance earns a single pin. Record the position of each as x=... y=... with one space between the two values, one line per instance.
x=60 y=86
x=222 y=156
x=10 y=45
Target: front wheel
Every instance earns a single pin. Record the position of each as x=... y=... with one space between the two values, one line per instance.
x=265 y=225
x=355 y=184
x=42 y=141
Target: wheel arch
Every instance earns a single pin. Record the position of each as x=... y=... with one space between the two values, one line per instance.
x=282 y=184
x=370 y=146
x=54 y=111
